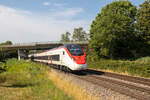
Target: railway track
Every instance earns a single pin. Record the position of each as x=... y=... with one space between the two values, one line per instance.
x=134 y=87
x=138 y=88
x=122 y=77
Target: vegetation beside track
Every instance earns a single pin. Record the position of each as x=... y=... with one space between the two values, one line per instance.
x=139 y=67
x=119 y=32
x=69 y=85
x=24 y=80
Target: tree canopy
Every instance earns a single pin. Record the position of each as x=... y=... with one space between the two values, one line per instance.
x=2 y=54
x=112 y=33
x=143 y=20
x=79 y=35
x=6 y=43
x=65 y=37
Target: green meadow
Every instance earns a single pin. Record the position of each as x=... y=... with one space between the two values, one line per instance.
x=24 y=80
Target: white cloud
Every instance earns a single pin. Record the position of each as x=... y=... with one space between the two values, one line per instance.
x=68 y=12
x=46 y=3
x=25 y=26
x=7 y=10
x=59 y=4
x=54 y=4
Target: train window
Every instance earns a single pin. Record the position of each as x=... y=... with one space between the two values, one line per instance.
x=45 y=57
x=55 y=57
x=75 y=50
x=42 y=57
x=63 y=53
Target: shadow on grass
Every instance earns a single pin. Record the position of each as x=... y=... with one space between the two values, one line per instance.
x=2 y=70
x=18 y=85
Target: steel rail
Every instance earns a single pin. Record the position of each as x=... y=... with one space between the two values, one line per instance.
x=122 y=77
x=121 y=90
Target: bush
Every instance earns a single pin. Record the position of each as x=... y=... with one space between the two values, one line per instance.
x=143 y=60
x=140 y=67
x=2 y=56
x=2 y=78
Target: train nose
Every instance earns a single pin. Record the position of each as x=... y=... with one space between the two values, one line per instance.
x=80 y=60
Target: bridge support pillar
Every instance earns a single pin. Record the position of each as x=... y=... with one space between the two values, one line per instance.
x=19 y=55
x=22 y=54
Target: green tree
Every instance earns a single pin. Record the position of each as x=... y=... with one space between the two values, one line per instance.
x=112 y=33
x=6 y=43
x=79 y=35
x=2 y=59
x=62 y=37
x=65 y=37
x=143 y=20
x=2 y=56
x=143 y=28
x=3 y=52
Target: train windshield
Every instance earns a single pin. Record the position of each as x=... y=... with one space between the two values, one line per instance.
x=75 y=50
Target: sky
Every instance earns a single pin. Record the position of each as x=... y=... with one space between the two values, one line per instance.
x=25 y=21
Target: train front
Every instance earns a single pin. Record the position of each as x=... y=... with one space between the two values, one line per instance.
x=78 y=57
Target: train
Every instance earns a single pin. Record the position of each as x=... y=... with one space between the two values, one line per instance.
x=68 y=57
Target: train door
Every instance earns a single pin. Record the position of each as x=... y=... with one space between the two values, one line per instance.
x=63 y=58
x=50 y=59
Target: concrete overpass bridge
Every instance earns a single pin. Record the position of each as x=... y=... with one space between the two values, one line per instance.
x=24 y=48
x=40 y=45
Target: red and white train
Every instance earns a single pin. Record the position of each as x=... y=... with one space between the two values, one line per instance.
x=67 y=57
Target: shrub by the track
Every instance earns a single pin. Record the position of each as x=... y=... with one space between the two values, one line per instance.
x=139 y=67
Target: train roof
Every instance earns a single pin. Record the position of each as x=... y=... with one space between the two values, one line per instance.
x=69 y=44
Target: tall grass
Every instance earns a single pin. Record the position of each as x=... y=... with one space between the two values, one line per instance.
x=139 y=67
x=71 y=88
x=28 y=81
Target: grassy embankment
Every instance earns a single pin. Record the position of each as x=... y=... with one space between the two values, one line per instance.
x=139 y=67
x=28 y=81
x=70 y=87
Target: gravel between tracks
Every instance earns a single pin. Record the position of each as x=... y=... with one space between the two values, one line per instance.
x=95 y=90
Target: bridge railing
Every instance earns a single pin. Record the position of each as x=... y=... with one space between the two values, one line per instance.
x=42 y=43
